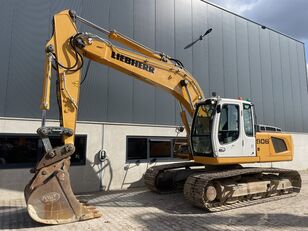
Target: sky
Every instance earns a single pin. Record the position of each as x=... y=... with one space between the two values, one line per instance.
x=287 y=16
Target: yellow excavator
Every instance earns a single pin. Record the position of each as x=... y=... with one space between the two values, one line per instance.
x=222 y=135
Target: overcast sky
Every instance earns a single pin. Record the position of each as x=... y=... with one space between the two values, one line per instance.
x=287 y=16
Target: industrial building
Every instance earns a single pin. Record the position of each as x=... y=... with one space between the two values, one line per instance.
x=124 y=117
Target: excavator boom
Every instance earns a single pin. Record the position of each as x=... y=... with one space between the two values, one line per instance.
x=49 y=196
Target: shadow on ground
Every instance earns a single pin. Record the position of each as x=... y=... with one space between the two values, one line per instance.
x=217 y=222
x=141 y=198
x=16 y=217
x=180 y=214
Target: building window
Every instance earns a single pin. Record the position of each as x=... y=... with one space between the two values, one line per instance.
x=144 y=148
x=181 y=146
x=137 y=148
x=160 y=148
x=25 y=150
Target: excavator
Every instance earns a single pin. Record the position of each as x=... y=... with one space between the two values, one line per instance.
x=222 y=135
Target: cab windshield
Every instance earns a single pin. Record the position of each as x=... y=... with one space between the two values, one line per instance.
x=202 y=127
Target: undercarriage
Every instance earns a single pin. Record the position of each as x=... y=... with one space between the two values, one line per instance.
x=217 y=188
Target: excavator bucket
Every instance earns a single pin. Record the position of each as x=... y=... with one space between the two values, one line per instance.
x=50 y=199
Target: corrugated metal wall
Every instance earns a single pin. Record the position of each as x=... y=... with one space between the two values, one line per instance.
x=238 y=58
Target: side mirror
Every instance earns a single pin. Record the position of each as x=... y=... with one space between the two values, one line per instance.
x=218 y=109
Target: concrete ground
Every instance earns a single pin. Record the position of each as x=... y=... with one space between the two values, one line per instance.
x=140 y=209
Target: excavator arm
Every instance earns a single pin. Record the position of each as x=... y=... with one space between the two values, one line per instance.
x=67 y=46
x=49 y=195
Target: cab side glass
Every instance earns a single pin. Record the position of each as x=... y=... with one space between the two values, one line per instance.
x=248 y=124
x=201 y=129
x=229 y=124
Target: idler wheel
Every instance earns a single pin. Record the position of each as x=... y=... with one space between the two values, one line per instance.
x=210 y=193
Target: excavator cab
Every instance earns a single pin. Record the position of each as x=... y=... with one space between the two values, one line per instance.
x=223 y=128
x=224 y=132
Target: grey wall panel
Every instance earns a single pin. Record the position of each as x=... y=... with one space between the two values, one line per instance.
x=229 y=55
x=216 y=51
x=255 y=70
x=200 y=50
x=287 y=84
x=303 y=83
x=183 y=32
x=266 y=73
x=6 y=20
x=164 y=103
x=93 y=94
x=277 y=81
x=183 y=36
x=295 y=86
x=58 y=5
x=120 y=86
x=242 y=52
x=26 y=64
x=144 y=32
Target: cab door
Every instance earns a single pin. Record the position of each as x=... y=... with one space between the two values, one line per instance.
x=249 y=140
x=233 y=132
x=227 y=132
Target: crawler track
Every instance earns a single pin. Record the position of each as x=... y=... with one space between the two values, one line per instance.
x=161 y=179
x=170 y=178
x=194 y=178
x=195 y=185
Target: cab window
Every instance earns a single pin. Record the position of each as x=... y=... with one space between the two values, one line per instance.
x=228 y=124
x=248 y=124
x=201 y=129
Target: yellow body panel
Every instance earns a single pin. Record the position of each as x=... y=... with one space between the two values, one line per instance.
x=64 y=28
x=265 y=147
x=164 y=74
x=265 y=152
